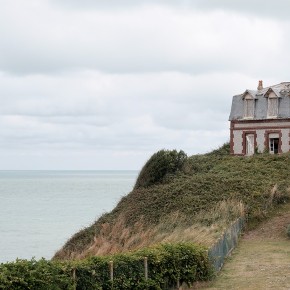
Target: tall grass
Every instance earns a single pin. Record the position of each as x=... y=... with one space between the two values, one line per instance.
x=204 y=228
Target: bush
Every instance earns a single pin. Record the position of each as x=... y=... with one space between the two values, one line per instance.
x=42 y=275
x=159 y=166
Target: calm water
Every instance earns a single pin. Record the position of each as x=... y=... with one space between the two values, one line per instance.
x=40 y=210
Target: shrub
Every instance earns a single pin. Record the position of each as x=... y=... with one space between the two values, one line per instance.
x=159 y=166
x=42 y=275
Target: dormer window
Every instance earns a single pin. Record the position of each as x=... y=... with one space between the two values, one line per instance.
x=249 y=107
x=272 y=105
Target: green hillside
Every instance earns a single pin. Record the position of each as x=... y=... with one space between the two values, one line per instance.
x=179 y=199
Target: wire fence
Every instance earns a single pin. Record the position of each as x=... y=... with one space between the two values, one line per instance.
x=226 y=243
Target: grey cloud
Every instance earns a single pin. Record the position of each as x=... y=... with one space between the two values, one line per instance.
x=142 y=40
x=39 y=134
x=278 y=9
x=125 y=114
x=115 y=4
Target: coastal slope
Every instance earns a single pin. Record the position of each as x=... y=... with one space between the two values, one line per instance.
x=194 y=202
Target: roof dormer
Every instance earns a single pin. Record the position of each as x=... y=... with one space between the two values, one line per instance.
x=272 y=93
x=249 y=104
x=273 y=103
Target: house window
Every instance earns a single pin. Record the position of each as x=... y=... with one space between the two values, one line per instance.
x=272 y=107
x=249 y=107
x=274 y=145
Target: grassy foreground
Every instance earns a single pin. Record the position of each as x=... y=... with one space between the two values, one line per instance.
x=193 y=201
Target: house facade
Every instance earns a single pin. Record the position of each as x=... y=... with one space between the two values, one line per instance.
x=260 y=120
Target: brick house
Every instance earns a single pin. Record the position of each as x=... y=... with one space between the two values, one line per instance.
x=260 y=120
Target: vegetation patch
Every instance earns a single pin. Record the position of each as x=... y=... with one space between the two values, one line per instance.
x=170 y=209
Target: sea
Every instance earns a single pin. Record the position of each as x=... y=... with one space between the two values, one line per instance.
x=41 y=210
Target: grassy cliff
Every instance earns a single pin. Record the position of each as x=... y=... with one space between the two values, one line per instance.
x=178 y=199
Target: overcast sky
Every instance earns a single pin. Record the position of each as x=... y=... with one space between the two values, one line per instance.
x=105 y=84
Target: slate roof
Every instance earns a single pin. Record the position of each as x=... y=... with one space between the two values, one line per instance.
x=282 y=90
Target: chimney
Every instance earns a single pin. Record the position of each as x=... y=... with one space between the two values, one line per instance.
x=260 y=86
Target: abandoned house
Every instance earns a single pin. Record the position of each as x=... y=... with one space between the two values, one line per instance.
x=260 y=120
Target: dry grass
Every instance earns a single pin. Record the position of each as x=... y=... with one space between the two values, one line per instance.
x=204 y=229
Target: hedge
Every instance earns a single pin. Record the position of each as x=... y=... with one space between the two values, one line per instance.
x=167 y=264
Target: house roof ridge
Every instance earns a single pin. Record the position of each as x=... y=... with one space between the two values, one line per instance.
x=276 y=88
x=265 y=89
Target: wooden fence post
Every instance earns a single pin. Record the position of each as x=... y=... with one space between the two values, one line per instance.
x=146 y=268
x=74 y=278
x=111 y=271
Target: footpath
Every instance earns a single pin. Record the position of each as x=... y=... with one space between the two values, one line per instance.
x=261 y=260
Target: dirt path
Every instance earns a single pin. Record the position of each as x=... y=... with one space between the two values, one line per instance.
x=261 y=260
